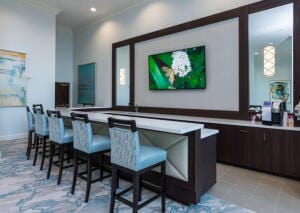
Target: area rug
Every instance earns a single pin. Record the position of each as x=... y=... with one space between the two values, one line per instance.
x=24 y=188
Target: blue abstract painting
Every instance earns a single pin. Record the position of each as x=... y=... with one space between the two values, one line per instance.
x=12 y=78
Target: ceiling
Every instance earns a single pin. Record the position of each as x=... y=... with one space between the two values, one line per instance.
x=76 y=13
x=270 y=26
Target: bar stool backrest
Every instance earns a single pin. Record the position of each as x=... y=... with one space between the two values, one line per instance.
x=56 y=126
x=82 y=132
x=125 y=145
x=30 y=119
x=41 y=124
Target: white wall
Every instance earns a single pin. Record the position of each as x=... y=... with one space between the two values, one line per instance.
x=32 y=31
x=64 y=56
x=93 y=43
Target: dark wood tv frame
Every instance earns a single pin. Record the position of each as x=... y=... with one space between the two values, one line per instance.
x=242 y=13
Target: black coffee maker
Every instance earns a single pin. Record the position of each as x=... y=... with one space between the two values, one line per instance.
x=277 y=110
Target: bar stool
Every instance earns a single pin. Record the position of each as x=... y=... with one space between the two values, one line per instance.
x=61 y=137
x=86 y=146
x=41 y=132
x=31 y=127
x=129 y=156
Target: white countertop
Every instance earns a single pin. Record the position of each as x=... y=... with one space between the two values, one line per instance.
x=205 y=120
x=144 y=123
x=208 y=132
x=88 y=107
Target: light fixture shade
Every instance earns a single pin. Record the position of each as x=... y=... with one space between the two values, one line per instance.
x=269 y=61
x=122 y=76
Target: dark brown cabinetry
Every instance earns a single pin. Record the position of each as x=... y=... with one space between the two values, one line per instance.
x=269 y=150
x=62 y=94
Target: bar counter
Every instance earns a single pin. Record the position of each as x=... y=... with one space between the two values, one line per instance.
x=191 y=157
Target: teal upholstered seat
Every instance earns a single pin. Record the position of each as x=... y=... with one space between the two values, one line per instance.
x=31 y=130
x=61 y=137
x=127 y=151
x=41 y=123
x=85 y=141
x=150 y=155
x=30 y=119
x=41 y=131
x=57 y=131
x=86 y=145
x=129 y=156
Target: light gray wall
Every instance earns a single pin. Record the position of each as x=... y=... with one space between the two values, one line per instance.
x=222 y=68
x=32 y=31
x=64 y=57
x=93 y=42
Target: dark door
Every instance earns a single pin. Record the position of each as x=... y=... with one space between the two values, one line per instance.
x=62 y=94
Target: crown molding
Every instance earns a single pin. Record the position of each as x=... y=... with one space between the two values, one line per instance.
x=41 y=5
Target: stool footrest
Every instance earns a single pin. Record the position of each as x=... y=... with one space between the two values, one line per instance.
x=119 y=197
x=148 y=201
x=124 y=191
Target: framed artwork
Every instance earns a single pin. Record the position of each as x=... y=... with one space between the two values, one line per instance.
x=12 y=78
x=86 y=83
x=280 y=91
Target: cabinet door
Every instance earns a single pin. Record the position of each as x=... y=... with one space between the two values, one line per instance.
x=274 y=151
x=249 y=154
x=222 y=142
x=292 y=154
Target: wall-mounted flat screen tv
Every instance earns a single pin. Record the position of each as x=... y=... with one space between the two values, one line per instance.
x=180 y=69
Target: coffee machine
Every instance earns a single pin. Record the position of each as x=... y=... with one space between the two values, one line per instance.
x=272 y=113
x=277 y=113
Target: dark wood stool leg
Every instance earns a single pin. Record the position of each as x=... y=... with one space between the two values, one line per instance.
x=140 y=188
x=69 y=152
x=102 y=167
x=136 y=187
x=29 y=144
x=61 y=163
x=163 y=186
x=113 y=188
x=43 y=153
x=118 y=180
x=89 y=178
x=36 y=143
x=75 y=171
x=52 y=148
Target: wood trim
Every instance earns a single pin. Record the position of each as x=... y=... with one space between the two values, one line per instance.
x=241 y=13
x=113 y=85
x=132 y=77
x=266 y=4
x=244 y=64
x=191 y=112
x=296 y=51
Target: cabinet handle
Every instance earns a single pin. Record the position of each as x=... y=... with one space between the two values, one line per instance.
x=244 y=131
x=264 y=136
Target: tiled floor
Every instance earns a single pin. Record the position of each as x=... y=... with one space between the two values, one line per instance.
x=257 y=191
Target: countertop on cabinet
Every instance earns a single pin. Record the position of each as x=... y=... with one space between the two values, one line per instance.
x=202 y=120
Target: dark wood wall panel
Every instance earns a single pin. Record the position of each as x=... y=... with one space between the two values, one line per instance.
x=241 y=13
x=296 y=51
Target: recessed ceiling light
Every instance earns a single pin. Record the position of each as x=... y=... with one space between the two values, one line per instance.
x=93 y=9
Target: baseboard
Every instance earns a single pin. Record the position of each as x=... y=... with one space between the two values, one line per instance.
x=14 y=136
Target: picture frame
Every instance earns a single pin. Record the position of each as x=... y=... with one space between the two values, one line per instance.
x=13 y=79
x=280 y=90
